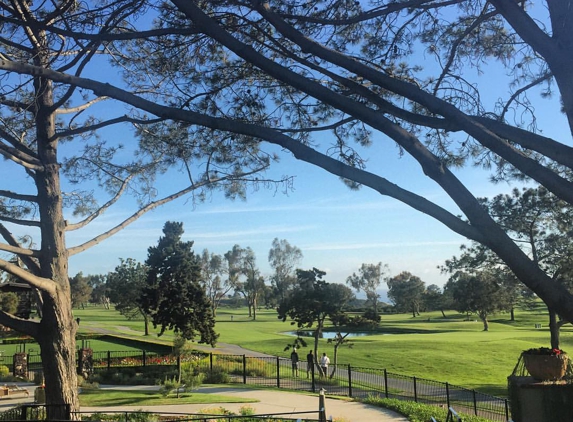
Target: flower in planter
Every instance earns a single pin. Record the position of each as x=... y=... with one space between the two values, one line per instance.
x=545 y=364
x=545 y=351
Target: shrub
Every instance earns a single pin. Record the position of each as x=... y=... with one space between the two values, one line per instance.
x=417 y=412
x=168 y=386
x=4 y=371
x=137 y=416
x=192 y=377
x=217 y=376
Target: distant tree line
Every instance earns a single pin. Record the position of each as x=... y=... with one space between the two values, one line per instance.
x=479 y=283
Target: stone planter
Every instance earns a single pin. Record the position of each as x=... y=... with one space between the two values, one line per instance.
x=546 y=367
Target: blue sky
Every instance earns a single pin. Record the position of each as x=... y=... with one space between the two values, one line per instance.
x=336 y=229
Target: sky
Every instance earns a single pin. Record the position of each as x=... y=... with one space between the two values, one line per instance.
x=335 y=228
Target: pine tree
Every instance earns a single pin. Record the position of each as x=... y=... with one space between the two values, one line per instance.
x=174 y=296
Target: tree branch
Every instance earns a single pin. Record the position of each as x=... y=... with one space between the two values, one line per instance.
x=27 y=260
x=20 y=158
x=28 y=223
x=102 y=209
x=21 y=325
x=19 y=251
x=18 y=196
x=98 y=239
x=41 y=283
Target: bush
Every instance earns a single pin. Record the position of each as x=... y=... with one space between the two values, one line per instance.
x=138 y=416
x=217 y=376
x=153 y=375
x=192 y=377
x=168 y=386
x=417 y=412
x=4 y=371
x=372 y=315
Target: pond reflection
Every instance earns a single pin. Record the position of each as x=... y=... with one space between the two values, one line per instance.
x=332 y=334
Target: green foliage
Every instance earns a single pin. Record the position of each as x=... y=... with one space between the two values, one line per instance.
x=137 y=416
x=417 y=412
x=4 y=370
x=174 y=296
x=9 y=302
x=217 y=376
x=169 y=385
x=80 y=289
x=125 y=285
x=314 y=300
x=191 y=376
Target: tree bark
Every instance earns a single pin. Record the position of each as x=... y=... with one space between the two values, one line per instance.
x=57 y=333
x=554 y=329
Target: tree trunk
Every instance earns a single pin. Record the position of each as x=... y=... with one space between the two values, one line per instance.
x=57 y=329
x=554 y=329
x=485 y=323
x=443 y=313
x=58 y=350
x=146 y=324
x=512 y=314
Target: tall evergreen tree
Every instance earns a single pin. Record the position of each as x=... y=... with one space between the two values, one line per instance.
x=174 y=296
x=125 y=286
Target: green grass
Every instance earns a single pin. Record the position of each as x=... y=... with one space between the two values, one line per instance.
x=448 y=349
x=110 y=398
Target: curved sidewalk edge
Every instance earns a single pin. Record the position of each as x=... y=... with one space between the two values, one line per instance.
x=274 y=402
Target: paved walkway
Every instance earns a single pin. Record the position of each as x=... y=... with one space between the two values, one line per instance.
x=272 y=401
x=269 y=401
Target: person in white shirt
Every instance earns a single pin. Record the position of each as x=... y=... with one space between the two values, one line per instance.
x=324 y=362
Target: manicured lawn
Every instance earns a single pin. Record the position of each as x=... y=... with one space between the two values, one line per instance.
x=450 y=349
x=111 y=398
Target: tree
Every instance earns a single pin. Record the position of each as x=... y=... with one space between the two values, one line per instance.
x=477 y=293
x=542 y=225
x=245 y=277
x=99 y=289
x=436 y=300
x=213 y=269
x=173 y=295
x=313 y=301
x=406 y=291
x=80 y=290
x=311 y=78
x=283 y=259
x=73 y=157
x=125 y=287
x=369 y=279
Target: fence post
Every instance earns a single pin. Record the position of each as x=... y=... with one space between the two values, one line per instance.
x=278 y=373
x=385 y=383
x=108 y=360
x=244 y=369
x=475 y=403
x=415 y=390
x=349 y=381
x=312 y=377
x=144 y=357
x=448 y=394
x=506 y=409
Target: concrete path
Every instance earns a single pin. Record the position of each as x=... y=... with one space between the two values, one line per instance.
x=272 y=401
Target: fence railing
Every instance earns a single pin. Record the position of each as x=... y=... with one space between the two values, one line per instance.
x=342 y=379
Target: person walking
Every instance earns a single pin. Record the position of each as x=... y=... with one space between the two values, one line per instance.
x=294 y=361
x=309 y=364
x=324 y=362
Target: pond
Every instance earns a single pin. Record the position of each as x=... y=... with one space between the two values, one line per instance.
x=332 y=334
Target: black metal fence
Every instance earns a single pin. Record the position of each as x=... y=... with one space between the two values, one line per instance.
x=342 y=380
